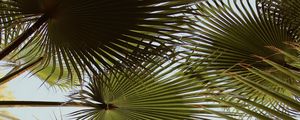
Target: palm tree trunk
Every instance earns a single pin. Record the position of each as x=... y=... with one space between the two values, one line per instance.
x=41 y=104
x=20 y=39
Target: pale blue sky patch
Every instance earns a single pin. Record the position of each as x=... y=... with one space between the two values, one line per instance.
x=28 y=89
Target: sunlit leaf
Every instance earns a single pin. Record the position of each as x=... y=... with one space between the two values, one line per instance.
x=163 y=93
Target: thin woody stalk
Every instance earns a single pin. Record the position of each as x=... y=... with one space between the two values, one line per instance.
x=53 y=104
x=40 y=104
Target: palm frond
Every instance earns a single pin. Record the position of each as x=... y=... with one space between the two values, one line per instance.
x=263 y=94
x=246 y=53
x=160 y=91
x=237 y=31
x=230 y=38
x=92 y=35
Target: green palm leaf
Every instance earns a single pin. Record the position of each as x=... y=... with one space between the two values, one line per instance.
x=164 y=93
x=247 y=58
x=92 y=35
x=278 y=100
x=262 y=95
x=230 y=37
x=238 y=32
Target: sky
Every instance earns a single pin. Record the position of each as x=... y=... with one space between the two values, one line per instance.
x=29 y=88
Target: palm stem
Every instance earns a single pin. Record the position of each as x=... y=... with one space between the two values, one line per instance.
x=20 y=39
x=53 y=104
x=40 y=104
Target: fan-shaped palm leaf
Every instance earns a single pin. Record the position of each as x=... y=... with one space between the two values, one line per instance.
x=165 y=93
x=232 y=36
x=237 y=31
x=235 y=35
x=91 y=35
x=262 y=94
x=285 y=97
